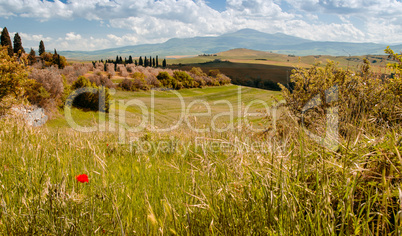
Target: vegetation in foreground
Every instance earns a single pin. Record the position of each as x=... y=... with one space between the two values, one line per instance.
x=283 y=185
x=279 y=182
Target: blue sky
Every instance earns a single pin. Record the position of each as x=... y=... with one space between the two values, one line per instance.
x=99 y=24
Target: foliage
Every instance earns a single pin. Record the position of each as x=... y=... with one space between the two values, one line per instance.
x=41 y=48
x=292 y=187
x=135 y=84
x=157 y=62
x=72 y=72
x=91 y=99
x=58 y=60
x=140 y=62
x=6 y=41
x=37 y=94
x=214 y=73
x=32 y=57
x=168 y=81
x=186 y=80
x=18 y=48
x=223 y=79
x=13 y=76
x=362 y=98
x=101 y=80
x=218 y=78
x=397 y=66
x=53 y=59
x=45 y=88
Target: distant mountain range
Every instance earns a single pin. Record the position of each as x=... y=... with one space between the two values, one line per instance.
x=245 y=38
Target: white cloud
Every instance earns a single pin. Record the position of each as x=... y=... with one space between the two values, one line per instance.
x=32 y=40
x=72 y=41
x=124 y=40
x=72 y=36
x=149 y=21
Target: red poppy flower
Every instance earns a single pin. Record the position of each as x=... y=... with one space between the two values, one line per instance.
x=82 y=178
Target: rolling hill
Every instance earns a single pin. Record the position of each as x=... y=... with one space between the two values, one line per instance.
x=246 y=38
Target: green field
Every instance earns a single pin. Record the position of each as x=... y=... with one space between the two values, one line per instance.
x=169 y=106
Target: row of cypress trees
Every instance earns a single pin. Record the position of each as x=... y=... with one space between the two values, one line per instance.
x=16 y=47
x=6 y=41
x=151 y=62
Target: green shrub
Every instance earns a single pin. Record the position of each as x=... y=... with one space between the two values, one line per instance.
x=138 y=75
x=13 y=80
x=168 y=81
x=134 y=84
x=214 y=73
x=197 y=71
x=36 y=93
x=88 y=100
x=186 y=80
x=13 y=75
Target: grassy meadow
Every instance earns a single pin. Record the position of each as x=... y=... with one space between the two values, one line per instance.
x=182 y=182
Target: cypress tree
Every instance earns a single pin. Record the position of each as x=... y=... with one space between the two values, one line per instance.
x=164 y=63
x=145 y=62
x=150 y=61
x=56 y=58
x=117 y=60
x=130 y=60
x=135 y=63
x=41 y=48
x=120 y=60
x=18 y=44
x=140 y=62
x=6 y=41
x=153 y=62
x=32 y=57
x=157 y=63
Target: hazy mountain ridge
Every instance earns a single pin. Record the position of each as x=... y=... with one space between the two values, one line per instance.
x=245 y=38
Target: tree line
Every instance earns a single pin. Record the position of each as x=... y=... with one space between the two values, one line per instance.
x=146 y=62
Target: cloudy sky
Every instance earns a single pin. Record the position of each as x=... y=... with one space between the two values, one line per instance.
x=99 y=24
